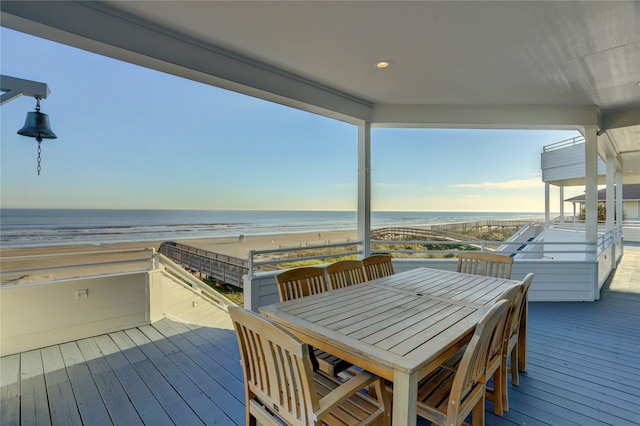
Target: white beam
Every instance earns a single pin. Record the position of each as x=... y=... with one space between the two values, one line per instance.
x=484 y=116
x=621 y=119
x=14 y=87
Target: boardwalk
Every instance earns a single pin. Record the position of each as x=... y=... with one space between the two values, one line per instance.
x=584 y=369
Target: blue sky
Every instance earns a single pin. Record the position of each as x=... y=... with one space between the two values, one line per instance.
x=134 y=138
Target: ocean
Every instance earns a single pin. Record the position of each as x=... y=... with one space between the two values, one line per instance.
x=54 y=227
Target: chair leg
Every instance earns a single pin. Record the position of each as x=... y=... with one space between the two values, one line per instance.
x=477 y=414
x=250 y=419
x=515 y=378
x=522 y=340
x=503 y=379
x=498 y=392
x=384 y=400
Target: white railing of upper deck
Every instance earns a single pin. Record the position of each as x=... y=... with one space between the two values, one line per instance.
x=564 y=143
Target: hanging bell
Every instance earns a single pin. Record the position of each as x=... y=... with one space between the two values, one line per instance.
x=37 y=125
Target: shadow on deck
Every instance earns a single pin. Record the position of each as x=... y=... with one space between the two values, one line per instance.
x=584 y=369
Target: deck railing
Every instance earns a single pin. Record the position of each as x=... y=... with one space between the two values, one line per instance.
x=196 y=284
x=541 y=248
x=508 y=248
x=222 y=267
x=564 y=143
x=261 y=258
x=63 y=266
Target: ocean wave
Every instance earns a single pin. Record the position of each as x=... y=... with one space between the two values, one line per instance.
x=33 y=228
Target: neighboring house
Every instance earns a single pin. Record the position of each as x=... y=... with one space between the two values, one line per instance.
x=630 y=201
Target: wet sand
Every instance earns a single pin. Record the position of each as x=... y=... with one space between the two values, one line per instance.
x=231 y=246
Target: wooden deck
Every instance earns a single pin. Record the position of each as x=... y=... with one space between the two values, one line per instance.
x=164 y=374
x=584 y=369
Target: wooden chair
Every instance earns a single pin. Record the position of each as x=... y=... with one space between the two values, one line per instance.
x=483 y=263
x=377 y=266
x=513 y=344
x=495 y=364
x=344 y=273
x=282 y=388
x=301 y=282
x=448 y=395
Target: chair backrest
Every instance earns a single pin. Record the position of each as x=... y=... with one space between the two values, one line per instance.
x=483 y=263
x=300 y=282
x=514 y=325
x=344 y=273
x=277 y=368
x=470 y=380
x=513 y=296
x=377 y=266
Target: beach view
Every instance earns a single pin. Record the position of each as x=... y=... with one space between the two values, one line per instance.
x=319 y=213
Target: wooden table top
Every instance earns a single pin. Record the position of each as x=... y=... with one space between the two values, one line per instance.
x=409 y=321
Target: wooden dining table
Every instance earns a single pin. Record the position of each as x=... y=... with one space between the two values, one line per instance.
x=400 y=327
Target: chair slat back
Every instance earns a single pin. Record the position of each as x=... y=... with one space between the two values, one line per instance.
x=514 y=325
x=487 y=264
x=377 y=266
x=471 y=378
x=344 y=273
x=513 y=296
x=277 y=368
x=300 y=282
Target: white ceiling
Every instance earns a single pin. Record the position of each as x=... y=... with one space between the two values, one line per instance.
x=527 y=64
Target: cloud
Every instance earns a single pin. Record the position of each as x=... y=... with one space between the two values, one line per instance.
x=509 y=184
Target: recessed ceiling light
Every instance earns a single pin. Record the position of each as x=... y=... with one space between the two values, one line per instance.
x=383 y=64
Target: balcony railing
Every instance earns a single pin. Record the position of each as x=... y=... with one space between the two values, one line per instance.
x=564 y=143
x=64 y=266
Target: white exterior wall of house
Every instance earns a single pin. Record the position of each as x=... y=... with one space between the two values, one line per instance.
x=566 y=163
x=41 y=314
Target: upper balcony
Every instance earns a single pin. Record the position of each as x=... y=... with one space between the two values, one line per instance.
x=563 y=163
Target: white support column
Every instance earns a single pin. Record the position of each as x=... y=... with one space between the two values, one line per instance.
x=561 y=204
x=619 y=201
x=611 y=204
x=610 y=191
x=547 y=219
x=364 y=186
x=591 y=189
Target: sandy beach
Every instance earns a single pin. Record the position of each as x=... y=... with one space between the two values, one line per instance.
x=36 y=264
x=231 y=246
